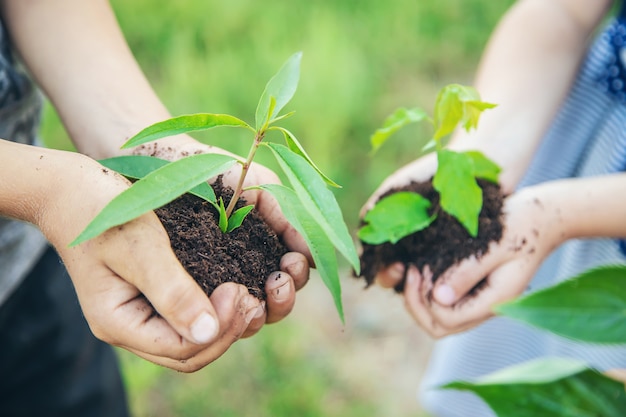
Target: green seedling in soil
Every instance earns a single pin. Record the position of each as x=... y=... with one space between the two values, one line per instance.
x=403 y=213
x=309 y=205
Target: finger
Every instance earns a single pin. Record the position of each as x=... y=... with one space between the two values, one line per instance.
x=134 y=323
x=297 y=266
x=460 y=279
x=152 y=267
x=414 y=301
x=257 y=321
x=391 y=276
x=233 y=321
x=501 y=285
x=418 y=303
x=281 y=296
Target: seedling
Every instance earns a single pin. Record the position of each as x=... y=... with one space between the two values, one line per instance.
x=308 y=205
x=403 y=213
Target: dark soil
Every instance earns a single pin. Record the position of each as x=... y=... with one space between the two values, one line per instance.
x=441 y=245
x=247 y=255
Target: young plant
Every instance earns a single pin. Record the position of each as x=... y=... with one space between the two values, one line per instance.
x=308 y=205
x=403 y=213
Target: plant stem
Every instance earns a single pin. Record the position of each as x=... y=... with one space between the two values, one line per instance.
x=258 y=138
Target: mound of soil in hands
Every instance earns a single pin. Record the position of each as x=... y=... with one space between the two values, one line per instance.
x=247 y=255
x=443 y=243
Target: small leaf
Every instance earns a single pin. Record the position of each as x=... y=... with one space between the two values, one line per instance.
x=549 y=387
x=223 y=217
x=457 y=104
x=319 y=244
x=238 y=217
x=183 y=124
x=484 y=167
x=138 y=166
x=317 y=199
x=459 y=194
x=155 y=190
x=394 y=217
x=296 y=147
x=284 y=116
x=282 y=87
x=590 y=307
x=400 y=118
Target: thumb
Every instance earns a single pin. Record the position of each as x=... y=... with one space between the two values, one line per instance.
x=460 y=279
x=152 y=267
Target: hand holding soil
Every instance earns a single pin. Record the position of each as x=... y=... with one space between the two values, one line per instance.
x=130 y=272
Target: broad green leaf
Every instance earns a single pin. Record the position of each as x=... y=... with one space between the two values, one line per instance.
x=321 y=247
x=282 y=87
x=590 y=307
x=223 y=217
x=238 y=217
x=183 y=124
x=295 y=146
x=457 y=104
x=396 y=121
x=394 y=217
x=549 y=387
x=484 y=167
x=138 y=166
x=317 y=199
x=459 y=194
x=155 y=190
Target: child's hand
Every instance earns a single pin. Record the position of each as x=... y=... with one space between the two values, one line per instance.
x=464 y=295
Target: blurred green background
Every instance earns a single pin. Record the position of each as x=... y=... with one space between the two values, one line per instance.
x=362 y=59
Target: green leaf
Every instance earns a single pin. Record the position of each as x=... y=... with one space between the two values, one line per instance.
x=183 y=124
x=295 y=146
x=394 y=217
x=317 y=199
x=396 y=121
x=223 y=217
x=282 y=87
x=590 y=307
x=549 y=387
x=138 y=166
x=321 y=247
x=238 y=217
x=457 y=104
x=155 y=190
x=459 y=194
x=484 y=167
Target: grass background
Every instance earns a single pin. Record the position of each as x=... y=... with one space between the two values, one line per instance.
x=362 y=59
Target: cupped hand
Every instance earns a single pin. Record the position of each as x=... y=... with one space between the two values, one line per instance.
x=465 y=294
x=281 y=285
x=133 y=291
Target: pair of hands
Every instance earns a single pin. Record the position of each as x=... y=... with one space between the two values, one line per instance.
x=531 y=231
x=128 y=274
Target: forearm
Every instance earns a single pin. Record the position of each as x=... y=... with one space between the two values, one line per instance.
x=78 y=55
x=527 y=69
x=583 y=207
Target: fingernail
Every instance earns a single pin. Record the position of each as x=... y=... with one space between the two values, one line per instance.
x=282 y=293
x=444 y=294
x=204 y=329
